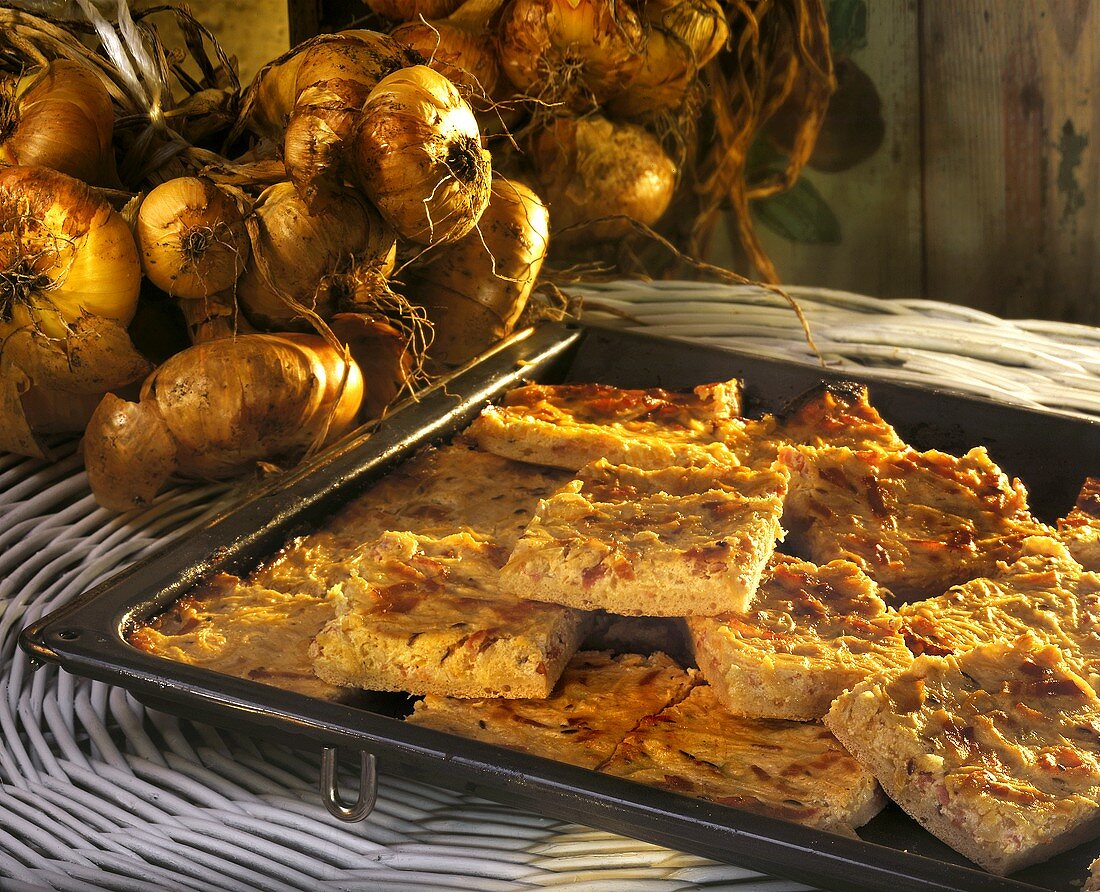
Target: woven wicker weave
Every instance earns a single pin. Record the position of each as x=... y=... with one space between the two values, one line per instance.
x=96 y=792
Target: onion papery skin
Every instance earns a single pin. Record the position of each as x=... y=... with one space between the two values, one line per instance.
x=60 y=117
x=592 y=168
x=418 y=157
x=358 y=55
x=577 y=53
x=193 y=239
x=475 y=290
x=667 y=73
x=467 y=59
x=318 y=135
x=294 y=251
x=64 y=253
x=214 y=410
x=699 y=25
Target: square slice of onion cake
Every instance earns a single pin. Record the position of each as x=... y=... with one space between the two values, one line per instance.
x=796 y=771
x=915 y=522
x=995 y=751
x=838 y=414
x=598 y=699
x=811 y=633
x=670 y=542
x=431 y=616
x=570 y=425
x=1080 y=529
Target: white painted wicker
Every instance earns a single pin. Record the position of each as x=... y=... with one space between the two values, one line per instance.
x=97 y=792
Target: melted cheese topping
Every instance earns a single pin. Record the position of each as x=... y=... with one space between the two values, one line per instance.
x=916 y=522
x=1080 y=529
x=598 y=699
x=570 y=425
x=792 y=770
x=1045 y=593
x=812 y=632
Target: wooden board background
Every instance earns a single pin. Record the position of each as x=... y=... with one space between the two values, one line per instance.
x=986 y=190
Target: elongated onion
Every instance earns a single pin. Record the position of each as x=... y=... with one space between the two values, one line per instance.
x=418 y=157
x=192 y=238
x=294 y=251
x=475 y=290
x=465 y=57
x=592 y=168
x=356 y=55
x=59 y=116
x=214 y=410
x=580 y=53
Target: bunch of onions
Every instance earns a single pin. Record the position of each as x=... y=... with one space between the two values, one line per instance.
x=699 y=25
x=216 y=409
x=663 y=82
x=592 y=168
x=58 y=116
x=463 y=55
x=577 y=53
x=361 y=56
x=69 y=281
x=418 y=157
x=294 y=251
x=475 y=289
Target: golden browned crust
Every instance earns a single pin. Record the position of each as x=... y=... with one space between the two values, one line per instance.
x=668 y=542
x=1080 y=529
x=916 y=522
x=811 y=633
x=430 y=616
x=598 y=699
x=791 y=770
x=995 y=751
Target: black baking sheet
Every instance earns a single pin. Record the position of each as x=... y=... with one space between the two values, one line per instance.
x=1052 y=452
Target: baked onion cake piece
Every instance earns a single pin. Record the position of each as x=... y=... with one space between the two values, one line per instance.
x=452 y=488
x=431 y=616
x=796 y=771
x=1080 y=529
x=244 y=630
x=915 y=522
x=838 y=414
x=1045 y=592
x=996 y=751
x=670 y=542
x=811 y=633
x=597 y=701
x=570 y=425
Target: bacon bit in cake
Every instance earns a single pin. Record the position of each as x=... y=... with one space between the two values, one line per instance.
x=706 y=558
x=907 y=695
x=922 y=636
x=962 y=538
x=1045 y=683
x=984 y=782
x=540 y=669
x=836 y=477
x=961 y=738
x=1062 y=759
x=679 y=783
x=876 y=498
x=593 y=574
x=400 y=597
x=482 y=640
x=818 y=508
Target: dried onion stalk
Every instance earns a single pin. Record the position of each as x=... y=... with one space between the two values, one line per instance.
x=59 y=116
x=419 y=157
x=216 y=409
x=475 y=289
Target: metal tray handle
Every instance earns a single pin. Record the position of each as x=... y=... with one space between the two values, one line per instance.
x=330 y=790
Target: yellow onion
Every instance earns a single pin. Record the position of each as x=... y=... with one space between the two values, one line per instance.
x=192 y=237
x=413 y=10
x=294 y=252
x=700 y=25
x=317 y=137
x=59 y=116
x=465 y=57
x=213 y=410
x=418 y=157
x=475 y=289
x=667 y=73
x=362 y=56
x=580 y=53
x=592 y=168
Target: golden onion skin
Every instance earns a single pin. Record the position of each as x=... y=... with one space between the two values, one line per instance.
x=465 y=57
x=418 y=157
x=64 y=253
x=576 y=53
x=593 y=168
